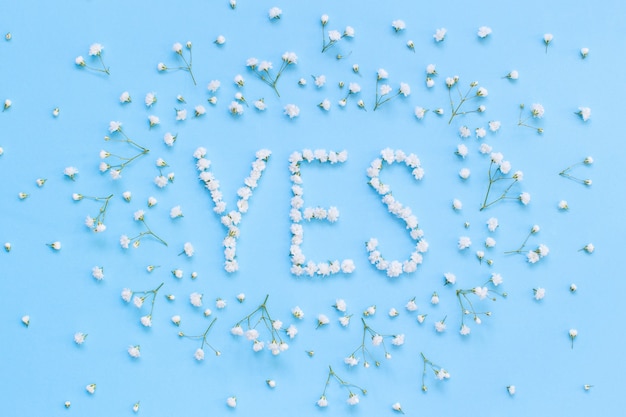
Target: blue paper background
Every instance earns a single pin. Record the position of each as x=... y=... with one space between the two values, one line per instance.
x=524 y=343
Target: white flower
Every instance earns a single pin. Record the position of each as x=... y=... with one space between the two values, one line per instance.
x=70 y=172
x=297 y=312
x=465 y=330
x=547 y=38
x=490 y=242
x=457 y=204
x=219 y=303
x=464 y=173
x=539 y=293
x=440 y=326
x=260 y=105
x=537 y=110
x=434 y=300
x=176 y=212
x=405 y=89
x=150 y=99
x=292 y=110
x=340 y=305
x=176 y=320
x=481 y=292
x=134 y=351
x=398 y=340
x=195 y=299
x=199 y=354
x=513 y=75
x=199 y=110
x=322 y=320
x=484 y=31
x=153 y=120
x=511 y=389
x=532 y=257
x=354 y=88
x=146 y=321
x=584 y=113
x=291 y=331
x=274 y=13
x=494 y=125
x=220 y=40
x=353 y=399
x=95 y=49
x=97 y=272
x=464 y=242
x=351 y=360
x=188 y=249
x=449 y=278
x=524 y=198
x=55 y=245
x=322 y=402
x=589 y=248
x=213 y=85
x=91 y=388
x=584 y=52
x=125 y=97
x=79 y=338
x=440 y=34
x=398 y=25
x=420 y=112
x=181 y=115
x=231 y=402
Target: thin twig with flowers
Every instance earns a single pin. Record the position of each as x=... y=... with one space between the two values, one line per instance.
x=334 y=36
x=533 y=255
x=140 y=217
x=353 y=398
x=178 y=49
x=262 y=69
x=116 y=170
x=138 y=301
x=94 y=50
x=382 y=93
x=199 y=354
x=277 y=344
x=498 y=168
x=463 y=98
x=377 y=339
x=440 y=373
x=565 y=173
x=536 y=112
x=95 y=223
x=482 y=292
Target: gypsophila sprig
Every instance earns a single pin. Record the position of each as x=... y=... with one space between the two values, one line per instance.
x=95 y=223
x=565 y=173
x=95 y=50
x=263 y=69
x=471 y=94
x=535 y=255
x=138 y=298
x=440 y=373
x=334 y=36
x=115 y=169
x=383 y=90
x=573 y=333
x=377 y=340
x=482 y=292
x=499 y=168
x=257 y=317
x=547 y=39
x=199 y=353
x=536 y=112
x=353 y=398
x=178 y=50
x=125 y=241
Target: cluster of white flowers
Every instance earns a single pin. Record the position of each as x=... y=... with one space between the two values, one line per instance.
x=395 y=268
x=95 y=50
x=232 y=219
x=298 y=213
x=277 y=345
x=334 y=36
x=534 y=256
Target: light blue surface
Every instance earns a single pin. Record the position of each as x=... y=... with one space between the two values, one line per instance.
x=525 y=343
